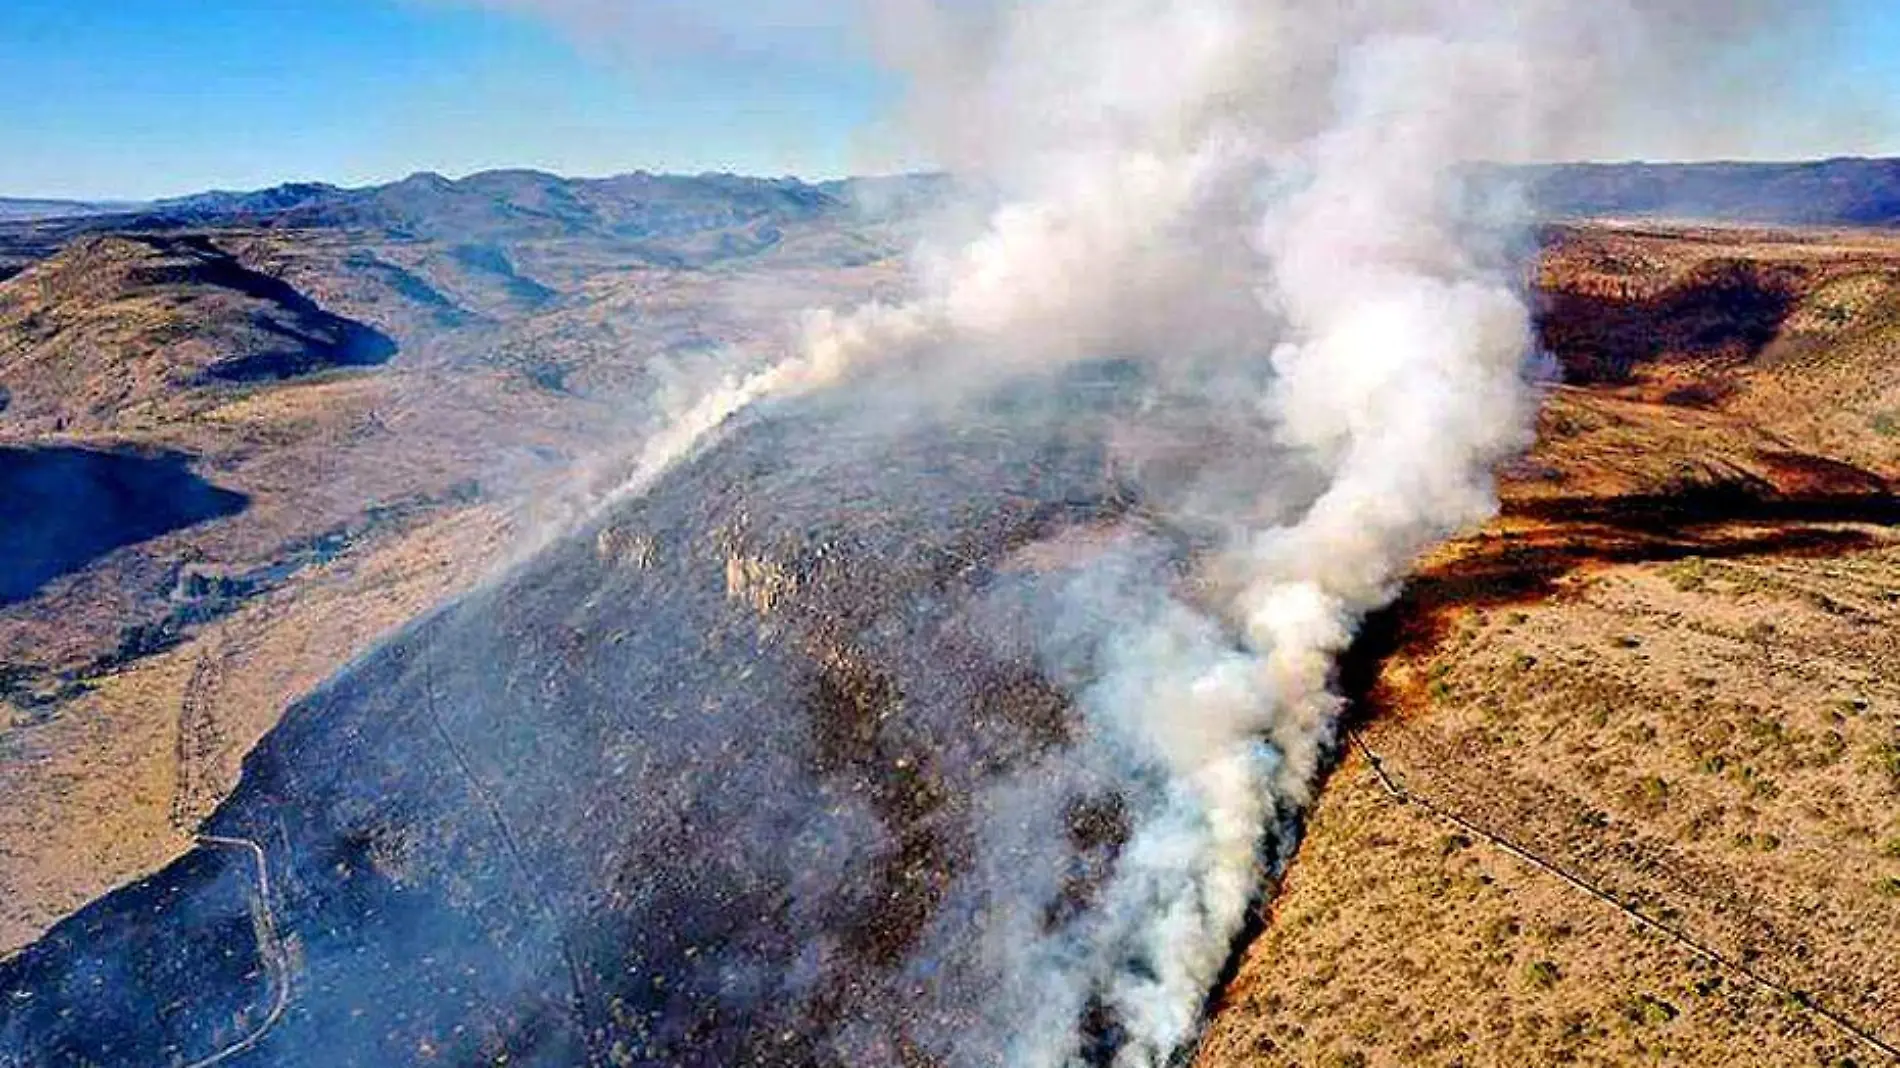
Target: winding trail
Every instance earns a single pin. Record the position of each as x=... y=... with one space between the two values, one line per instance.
x=1403 y=795
x=269 y=949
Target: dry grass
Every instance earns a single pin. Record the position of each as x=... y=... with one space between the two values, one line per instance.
x=1697 y=709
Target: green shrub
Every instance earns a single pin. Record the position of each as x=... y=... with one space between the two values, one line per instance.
x=1655 y=791
x=1688 y=574
x=1544 y=974
x=1887 y=758
x=1650 y=1011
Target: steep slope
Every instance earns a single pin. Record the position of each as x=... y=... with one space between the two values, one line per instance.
x=138 y=674
x=67 y=507
x=1708 y=501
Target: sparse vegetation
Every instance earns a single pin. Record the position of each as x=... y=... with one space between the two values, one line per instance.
x=1887 y=759
x=1599 y=759
x=1649 y=1011
x=1682 y=752
x=1653 y=794
x=1689 y=574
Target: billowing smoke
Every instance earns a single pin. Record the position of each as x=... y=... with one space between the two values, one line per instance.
x=1269 y=193
x=1271 y=206
x=1271 y=203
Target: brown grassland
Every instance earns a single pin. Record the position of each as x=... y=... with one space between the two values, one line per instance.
x=1625 y=784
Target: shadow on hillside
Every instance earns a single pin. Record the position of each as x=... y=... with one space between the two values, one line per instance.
x=354 y=345
x=66 y=507
x=316 y=339
x=1527 y=566
x=1728 y=310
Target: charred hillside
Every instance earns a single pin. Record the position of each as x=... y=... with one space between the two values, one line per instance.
x=691 y=787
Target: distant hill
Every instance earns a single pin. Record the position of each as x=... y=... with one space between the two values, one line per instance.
x=518 y=205
x=221 y=204
x=515 y=205
x=1838 y=192
x=13 y=209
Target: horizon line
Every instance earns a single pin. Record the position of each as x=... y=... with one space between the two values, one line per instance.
x=818 y=180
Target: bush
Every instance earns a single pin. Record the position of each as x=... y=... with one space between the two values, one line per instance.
x=1649 y=1010
x=1544 y=974
x=1688 y=574
x=1655 y=791
x=1887 y=758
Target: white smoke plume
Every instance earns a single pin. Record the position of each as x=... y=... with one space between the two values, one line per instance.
x=1279 y=187
x=1270 y=197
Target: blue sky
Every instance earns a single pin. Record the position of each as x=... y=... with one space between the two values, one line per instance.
x=138 y=98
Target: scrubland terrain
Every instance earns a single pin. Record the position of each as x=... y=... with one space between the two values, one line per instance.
x=1623 y=783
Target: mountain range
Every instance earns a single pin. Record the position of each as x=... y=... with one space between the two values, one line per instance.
x=526 y=204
